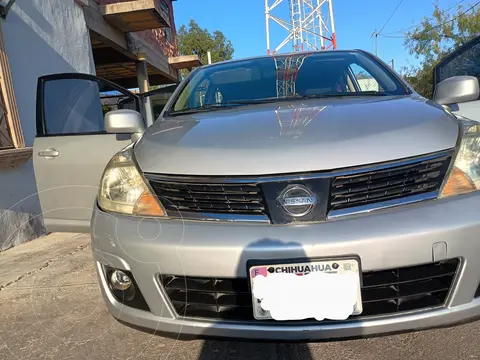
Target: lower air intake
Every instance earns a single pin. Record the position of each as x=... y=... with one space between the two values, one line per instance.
x=383 y=292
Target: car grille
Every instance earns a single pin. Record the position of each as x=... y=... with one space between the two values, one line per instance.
x=256 y=199
x=383 y=292
x=388 y=184
x=209 y=198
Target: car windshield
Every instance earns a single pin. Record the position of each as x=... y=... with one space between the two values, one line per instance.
x=280 y=77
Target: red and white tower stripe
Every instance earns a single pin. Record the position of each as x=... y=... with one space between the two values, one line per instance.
x=309 y=26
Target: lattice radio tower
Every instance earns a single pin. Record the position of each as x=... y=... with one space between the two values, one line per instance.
x=310 y=26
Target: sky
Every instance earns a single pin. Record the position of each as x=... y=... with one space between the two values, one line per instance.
x=243 y=23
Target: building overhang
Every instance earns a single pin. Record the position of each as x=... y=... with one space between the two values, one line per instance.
x=115 y=51
x=120 y=68
x=137 y=15
x=184 y=62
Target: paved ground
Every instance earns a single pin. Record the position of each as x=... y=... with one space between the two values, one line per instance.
x=51 y=308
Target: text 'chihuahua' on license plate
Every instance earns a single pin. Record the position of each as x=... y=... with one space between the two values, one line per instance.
x=323 y=289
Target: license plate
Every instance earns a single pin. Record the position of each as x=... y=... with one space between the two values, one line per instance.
x=319 y=289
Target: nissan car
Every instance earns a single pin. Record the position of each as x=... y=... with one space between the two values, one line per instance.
x=303 y=196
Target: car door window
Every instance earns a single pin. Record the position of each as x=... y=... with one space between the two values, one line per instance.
x=364 y=80
x=158 y=98
x=464 y=61
x=73 y=106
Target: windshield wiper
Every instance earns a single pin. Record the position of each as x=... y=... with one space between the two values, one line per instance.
x=356 y=93
x=206 y=107
x=263 y=100
x=228 y=104
x=308 y=96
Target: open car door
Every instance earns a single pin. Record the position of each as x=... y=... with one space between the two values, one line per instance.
x=465 y=60
x=72 y=148
x=155 y=100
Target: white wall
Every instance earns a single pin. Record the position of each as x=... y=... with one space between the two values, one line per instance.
x=369 y=84
x=41 y=37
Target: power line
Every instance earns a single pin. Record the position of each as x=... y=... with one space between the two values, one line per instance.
x=453 y=19
x=392 y=37
x=446 y=22
x=393 y=13
x=431 y=18
x=376 y=33
x=436 y=26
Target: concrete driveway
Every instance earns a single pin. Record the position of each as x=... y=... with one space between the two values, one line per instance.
x=51 y=308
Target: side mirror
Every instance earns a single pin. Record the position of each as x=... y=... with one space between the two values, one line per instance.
x=456 y=89
x=124 y=121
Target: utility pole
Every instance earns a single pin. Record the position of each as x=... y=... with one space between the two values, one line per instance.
x=209 y=57
x=375 y=33
x=393 y=64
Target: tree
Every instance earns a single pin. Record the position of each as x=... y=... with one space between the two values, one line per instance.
x=436 y=37
x=195 y=40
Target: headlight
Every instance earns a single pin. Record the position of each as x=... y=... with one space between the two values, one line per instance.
x=123 y=190
x=465 y=174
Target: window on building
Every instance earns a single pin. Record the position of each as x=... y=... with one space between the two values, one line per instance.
x=168 y=34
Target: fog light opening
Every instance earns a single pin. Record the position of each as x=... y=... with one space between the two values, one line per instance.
x=124 y=288
x=120 y=280
x=121 y=284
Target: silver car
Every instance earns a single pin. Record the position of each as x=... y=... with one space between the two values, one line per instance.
x=299 y=196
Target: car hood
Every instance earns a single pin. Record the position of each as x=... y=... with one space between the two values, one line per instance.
x=301 y=136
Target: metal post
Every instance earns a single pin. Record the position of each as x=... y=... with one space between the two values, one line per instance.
x=393 y=64
x=332 y=24
x=144 y=86
x=267 y=25
x=209 y=57
x=300 y=26
x=6 y=8
x=320 y=28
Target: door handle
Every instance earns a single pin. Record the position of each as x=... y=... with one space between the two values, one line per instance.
x=49 y=153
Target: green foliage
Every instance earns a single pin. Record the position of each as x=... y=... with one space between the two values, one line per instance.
x=434 y=38
x=193 y=38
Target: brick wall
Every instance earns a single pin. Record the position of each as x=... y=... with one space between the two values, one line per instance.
x=157 y=37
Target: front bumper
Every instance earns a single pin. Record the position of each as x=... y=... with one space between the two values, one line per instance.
x=397 y=237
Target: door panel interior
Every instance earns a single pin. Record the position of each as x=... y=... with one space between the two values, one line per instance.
x=72 y=148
